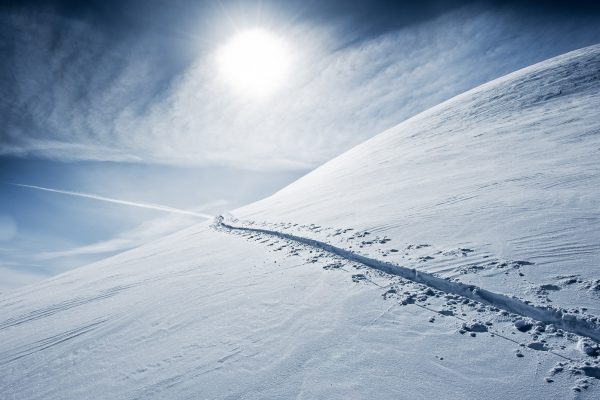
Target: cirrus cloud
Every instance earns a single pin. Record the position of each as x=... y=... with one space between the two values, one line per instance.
x=76 y=93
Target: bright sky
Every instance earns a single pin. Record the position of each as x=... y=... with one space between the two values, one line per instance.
x=255 y=62
x=207 y=105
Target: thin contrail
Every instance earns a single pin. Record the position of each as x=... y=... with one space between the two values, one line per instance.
x=117 y=201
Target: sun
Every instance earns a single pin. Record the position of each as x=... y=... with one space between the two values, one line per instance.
x=255 y=61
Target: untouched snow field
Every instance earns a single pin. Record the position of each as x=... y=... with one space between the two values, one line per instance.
x=389 y=272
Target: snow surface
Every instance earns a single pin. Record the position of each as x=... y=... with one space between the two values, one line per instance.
x=496 y=188
x=510 y=169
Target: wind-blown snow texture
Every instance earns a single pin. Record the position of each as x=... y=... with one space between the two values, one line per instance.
x=511 y=169
x=496 y=188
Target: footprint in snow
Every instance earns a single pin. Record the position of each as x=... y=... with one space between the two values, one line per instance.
x=539 y=346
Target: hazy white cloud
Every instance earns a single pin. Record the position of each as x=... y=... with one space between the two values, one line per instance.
x=8 y=228
x=142 y=234
x=18 y=275
x=146 y=232
x=81 y=96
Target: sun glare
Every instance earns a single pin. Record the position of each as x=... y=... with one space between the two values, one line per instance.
x=255 y=61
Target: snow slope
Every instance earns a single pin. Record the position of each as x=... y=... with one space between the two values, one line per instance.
x=510 y=169
x=342 y=285
x=207 y=314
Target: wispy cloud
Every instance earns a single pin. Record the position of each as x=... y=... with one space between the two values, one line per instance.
x=73 y=92
x=144 y=233
x=150 y=206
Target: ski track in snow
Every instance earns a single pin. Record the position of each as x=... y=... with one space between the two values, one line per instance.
x=46 y=343
x=548 y=315
x=56 y=308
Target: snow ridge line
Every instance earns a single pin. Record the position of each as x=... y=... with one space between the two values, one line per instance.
x=548 y=315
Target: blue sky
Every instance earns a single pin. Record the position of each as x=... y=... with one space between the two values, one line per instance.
x=123 y=100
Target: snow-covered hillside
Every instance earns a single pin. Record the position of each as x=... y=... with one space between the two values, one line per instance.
x=510 y=170
x=387 y=273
